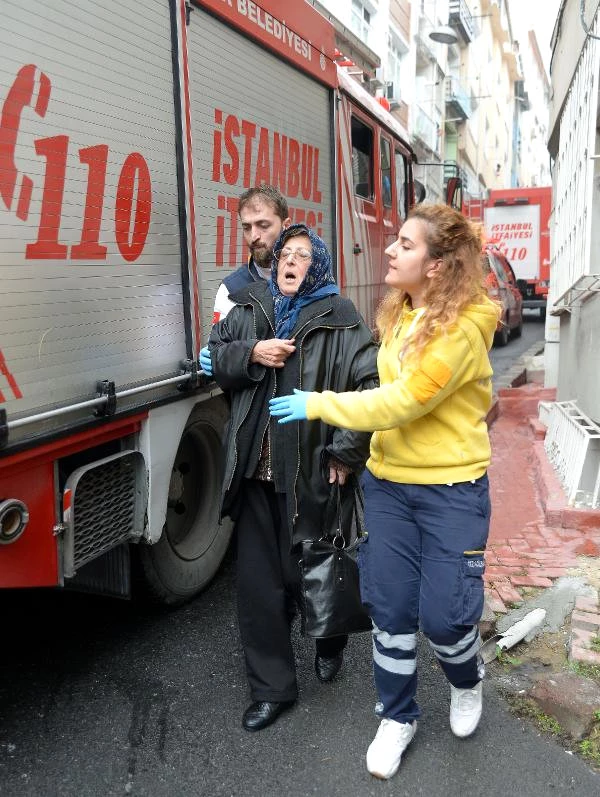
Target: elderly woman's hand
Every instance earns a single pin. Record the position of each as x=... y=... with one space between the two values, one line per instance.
x=338 y=471
x=272 y=353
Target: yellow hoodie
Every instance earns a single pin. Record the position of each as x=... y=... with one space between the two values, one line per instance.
x=428 y=415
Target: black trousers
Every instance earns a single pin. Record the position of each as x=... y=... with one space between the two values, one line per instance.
x=268 y=588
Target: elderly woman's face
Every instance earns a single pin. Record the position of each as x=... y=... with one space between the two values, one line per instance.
x=294 y=261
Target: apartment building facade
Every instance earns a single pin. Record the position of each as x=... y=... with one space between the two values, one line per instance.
x=454 y=78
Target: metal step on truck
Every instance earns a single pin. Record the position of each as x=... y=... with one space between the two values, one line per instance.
x=127 y=132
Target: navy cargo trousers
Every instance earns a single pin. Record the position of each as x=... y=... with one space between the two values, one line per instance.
x=422 y=567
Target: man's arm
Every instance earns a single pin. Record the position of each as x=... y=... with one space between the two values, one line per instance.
x=223 y=305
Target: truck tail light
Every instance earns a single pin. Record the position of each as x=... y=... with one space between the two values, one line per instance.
x=14 y=517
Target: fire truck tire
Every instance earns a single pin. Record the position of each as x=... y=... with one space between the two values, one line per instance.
x=193 y=542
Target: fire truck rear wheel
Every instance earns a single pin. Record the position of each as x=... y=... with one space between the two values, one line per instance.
x=193 y=543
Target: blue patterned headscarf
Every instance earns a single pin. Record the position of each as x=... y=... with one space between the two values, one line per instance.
x=317 y=283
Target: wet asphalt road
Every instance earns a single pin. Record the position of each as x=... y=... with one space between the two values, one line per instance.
x=100 y=697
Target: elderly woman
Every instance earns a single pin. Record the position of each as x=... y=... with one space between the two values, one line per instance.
x=293 y=332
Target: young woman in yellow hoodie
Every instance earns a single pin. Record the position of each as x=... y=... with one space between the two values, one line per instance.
x=427 y=507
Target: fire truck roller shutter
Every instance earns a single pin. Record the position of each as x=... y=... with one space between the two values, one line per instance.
x=91 y=265
x=255 y=118
x=193 y=542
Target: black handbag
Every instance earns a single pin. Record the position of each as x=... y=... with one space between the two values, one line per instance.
x=331 y=604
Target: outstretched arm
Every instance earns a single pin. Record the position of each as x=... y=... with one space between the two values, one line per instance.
x=412 y=395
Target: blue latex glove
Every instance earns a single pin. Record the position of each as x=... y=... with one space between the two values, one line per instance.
x=205 y=361
x=290 y=408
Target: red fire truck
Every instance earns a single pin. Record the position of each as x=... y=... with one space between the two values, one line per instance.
x=127 y=132
x=517 y=221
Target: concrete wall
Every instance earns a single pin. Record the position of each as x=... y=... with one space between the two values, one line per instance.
x=579 y=372
x=567 y=43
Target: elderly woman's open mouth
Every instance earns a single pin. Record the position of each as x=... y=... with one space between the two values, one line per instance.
x=290 y=275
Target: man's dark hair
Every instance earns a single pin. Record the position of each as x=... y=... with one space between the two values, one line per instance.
x=269 y=194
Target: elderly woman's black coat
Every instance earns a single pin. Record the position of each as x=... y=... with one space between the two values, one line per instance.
x=334 y=351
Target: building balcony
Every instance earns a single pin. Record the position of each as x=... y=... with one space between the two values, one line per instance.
x=427 y=130
x=461 y=20
x=399 y=109
x=458 y=102
x=452 y=169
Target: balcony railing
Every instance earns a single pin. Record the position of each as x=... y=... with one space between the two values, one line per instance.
x=427 y=130
x=461 y=20
x=401 y=111
x=458 y=102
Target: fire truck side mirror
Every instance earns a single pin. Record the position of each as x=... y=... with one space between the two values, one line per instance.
x=420 y=192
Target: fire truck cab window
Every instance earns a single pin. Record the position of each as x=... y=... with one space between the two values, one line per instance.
x=386 y=173
x=401 y=177
x=362 y=159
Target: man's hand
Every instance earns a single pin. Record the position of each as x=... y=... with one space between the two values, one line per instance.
x=338 y=471
x=290 y=408
x=273 y=352
x=205 y=361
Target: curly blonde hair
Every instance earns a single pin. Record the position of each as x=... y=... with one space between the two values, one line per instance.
x=457 y=242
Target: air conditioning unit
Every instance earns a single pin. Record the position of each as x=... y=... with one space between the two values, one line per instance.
x=390 y=92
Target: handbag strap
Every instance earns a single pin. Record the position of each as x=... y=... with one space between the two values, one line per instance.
x=359 y=504
x=339 y=541
x=358 y=508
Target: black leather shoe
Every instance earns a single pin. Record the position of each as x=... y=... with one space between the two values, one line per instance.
x=263 y=713
x=327 y=668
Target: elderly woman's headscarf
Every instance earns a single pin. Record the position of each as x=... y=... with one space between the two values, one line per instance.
x=317 y=283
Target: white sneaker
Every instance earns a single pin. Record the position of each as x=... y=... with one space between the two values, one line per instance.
x=385 y=751
x=465 y=709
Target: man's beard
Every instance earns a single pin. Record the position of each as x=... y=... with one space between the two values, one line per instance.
x=262 y=256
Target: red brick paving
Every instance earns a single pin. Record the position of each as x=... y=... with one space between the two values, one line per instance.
x=585 y=631
x=524 y=549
